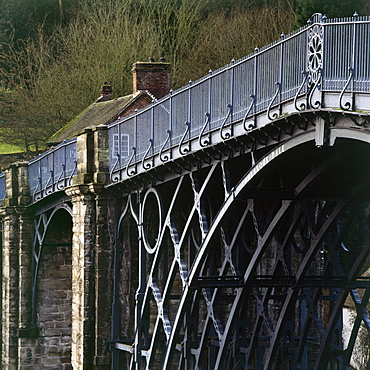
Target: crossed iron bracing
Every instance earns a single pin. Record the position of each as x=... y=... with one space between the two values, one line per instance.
x=250 y=241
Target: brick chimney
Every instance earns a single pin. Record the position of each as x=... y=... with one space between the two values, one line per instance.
x=152 y=76
x=105 y=93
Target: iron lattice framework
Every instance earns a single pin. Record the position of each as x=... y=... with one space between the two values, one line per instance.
x=256 y=270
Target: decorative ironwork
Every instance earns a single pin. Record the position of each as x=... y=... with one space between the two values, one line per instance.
x=182 y=150
x=302 y=106
x=207 y=141
x=148 y=165
x=49 y=183
x=115 y=178
x=59 y=163
x=61 y=178
x=227 y=135
x=165 y=157
x=321 y=78
x=132 y=172
x=253 y=125
x=72 y=173
x=275 y=115
x=316 y=86
x=315 y=52
x=41 y=225
x=347 y=105
x=37 y=189
x=247 y=281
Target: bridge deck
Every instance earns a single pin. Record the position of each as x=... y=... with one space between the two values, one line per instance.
x=325 y=65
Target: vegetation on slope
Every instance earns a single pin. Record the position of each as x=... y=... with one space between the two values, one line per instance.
x=54 y=55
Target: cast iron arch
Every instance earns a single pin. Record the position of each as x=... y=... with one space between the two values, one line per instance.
x=198 y=284
x=42 y=222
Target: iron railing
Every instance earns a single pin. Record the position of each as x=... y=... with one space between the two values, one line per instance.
x=2 y=187
x=293 y=73
x=53 y=170
x=323 y=65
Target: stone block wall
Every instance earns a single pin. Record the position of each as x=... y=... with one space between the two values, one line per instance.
x=73 y=315
x=54 y=295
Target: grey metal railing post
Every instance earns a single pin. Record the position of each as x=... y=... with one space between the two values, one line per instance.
x=187 y=132
x=136 y=141
x=40 y=178
x=354 y=59
x=190 y=113
x=53 y=173
x=64 y=166
x=133 y=154
x=210 y=80
x=206 y=125
x=152 y=129
x=150 y=149
x=352 y=70
x=255 y=84
x=232 y=92
x=171 y=120
x=282 y=65
x=119 y=143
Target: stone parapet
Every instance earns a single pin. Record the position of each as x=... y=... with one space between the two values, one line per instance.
x=17 y=185
x=92 y=156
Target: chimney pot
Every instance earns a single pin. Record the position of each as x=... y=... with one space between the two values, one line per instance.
x=151 y=76
x=106 y=92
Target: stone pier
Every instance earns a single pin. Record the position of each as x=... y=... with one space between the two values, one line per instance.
x=57 y=267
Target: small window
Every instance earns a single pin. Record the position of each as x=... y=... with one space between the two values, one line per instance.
x=124 y=145
x=72 y=155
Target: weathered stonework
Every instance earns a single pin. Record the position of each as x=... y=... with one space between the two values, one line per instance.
x=73 y=295
x=10 y=289
x=91 y=253
x=16 y=264
x=82 y=278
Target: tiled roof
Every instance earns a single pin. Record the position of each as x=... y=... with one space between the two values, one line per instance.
x=96 y=114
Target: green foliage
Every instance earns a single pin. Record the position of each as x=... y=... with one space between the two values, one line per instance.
x=9 y=149
x=331 y=8
x=53 y=75
x=24 y=17
x=55 y=54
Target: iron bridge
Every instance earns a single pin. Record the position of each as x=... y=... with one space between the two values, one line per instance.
x=243 y=204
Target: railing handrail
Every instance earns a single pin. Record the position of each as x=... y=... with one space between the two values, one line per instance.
x=266 y=99
x=284 y=80
x=242 y=60
x=211 y=75
x=51 y=150
x=45 y=181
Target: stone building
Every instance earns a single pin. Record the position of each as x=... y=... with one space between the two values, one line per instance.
x=151 y=81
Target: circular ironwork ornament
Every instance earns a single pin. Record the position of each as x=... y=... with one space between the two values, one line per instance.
x=315 y=52
x=151 y=220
